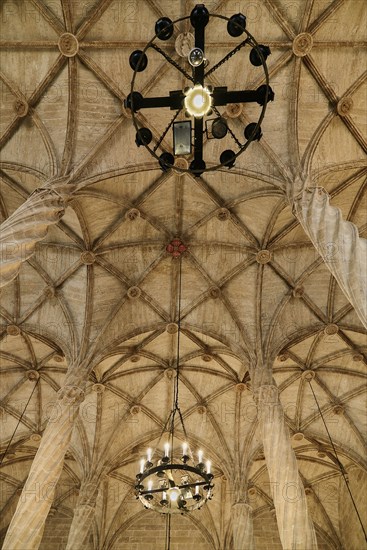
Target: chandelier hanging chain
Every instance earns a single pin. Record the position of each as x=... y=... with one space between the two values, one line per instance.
x=173 y=485
x=168 y=532
x=226 y=57
x=238 y=143
x=166 y=130
x=341 y=467
x=172 y=61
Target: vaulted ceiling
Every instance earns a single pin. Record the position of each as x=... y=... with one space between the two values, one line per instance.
x=102 y=283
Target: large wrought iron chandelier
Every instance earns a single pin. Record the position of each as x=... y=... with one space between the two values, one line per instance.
x=172 y=479
x=199 y=100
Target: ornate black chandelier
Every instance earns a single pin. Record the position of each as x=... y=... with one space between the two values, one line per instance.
x=173 y=480
x=199 y=99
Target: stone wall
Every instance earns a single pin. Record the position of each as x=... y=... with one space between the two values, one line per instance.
x=267 y=536
x=56 y=533
x=266 y=532
x=149 y=534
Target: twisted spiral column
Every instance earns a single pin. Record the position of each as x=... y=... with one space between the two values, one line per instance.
x=295 y=526
x=242 y=527
x=27 y=525
x=338 y=243
x=20 y=233
x=83 y=516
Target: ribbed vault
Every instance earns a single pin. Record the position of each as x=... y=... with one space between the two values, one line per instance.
x=101 y=285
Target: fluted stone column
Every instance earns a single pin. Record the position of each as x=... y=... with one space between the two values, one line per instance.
x=20 y=233
x=26 y=527
x=295 y=526
x=242 y=527
x=83 y=516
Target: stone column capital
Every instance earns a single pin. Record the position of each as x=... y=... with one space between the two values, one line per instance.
x=83 y=515
x=242 y=507
x=70 y=395
x=267 y=394
x=28 y=225
x=268 y=404
x=242 y=528
x=88 y=494
x=293 y=518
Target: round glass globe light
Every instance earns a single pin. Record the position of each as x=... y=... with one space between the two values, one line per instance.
x=198 y=101
x=173 y=494
x=196 y=57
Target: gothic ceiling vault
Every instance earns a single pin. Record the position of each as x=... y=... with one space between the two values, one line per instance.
x=102 y=284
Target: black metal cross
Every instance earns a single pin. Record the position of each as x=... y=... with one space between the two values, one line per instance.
x=220 y=96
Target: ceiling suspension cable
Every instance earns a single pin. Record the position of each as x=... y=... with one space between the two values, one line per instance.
x=19 y=421
x=168 y=532
x=341 y=467
x=173 y=486
x=175 y=406
x=176 y=403
x=178 y=332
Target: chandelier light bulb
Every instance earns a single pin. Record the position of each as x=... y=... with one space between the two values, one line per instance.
x=164 y=495
x=197 y=489
x=198 y=101
x=184 y=448
x=208 y=466
x=149 y=455
x=173 y=494
x=166 y=449
x=200 y=456
x=150 y=485
x=142 y=465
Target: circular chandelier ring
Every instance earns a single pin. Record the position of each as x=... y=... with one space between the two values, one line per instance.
x=254 y=44
x=205 y=481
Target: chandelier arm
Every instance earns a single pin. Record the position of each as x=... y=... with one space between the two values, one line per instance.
x=184 y=467
x=166 y=130
x=226 y=57
x=222 y=97
x=185 y=486
x=198 y=72
x=173 y=101
x=198 y=139
x=172 y=62
x=155 y=102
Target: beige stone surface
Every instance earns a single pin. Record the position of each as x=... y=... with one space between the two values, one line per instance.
x=255 y=290
x=242 y=526
x=339 y=245
x=294 y=521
